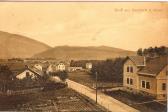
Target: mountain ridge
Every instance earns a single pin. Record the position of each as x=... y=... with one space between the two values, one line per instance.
x=18 y=46
x=84 y=53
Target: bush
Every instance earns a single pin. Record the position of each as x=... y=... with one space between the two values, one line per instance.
x=63 y=75
x=52 y=85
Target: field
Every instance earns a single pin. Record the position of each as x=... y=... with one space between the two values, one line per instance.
x=144 y=104
x=85 y=79
x=52 y=100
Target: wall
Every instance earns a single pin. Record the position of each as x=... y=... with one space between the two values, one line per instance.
x=23 y=74
x=133 y=75
x=162 y=78
x=153 y=85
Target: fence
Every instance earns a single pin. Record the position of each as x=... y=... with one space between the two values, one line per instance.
x=26 y=91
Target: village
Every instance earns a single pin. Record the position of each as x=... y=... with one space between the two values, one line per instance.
x=83 y=56
x=142 y=87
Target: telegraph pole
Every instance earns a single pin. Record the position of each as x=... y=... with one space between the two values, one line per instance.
x=96 y=87
x=167 y=79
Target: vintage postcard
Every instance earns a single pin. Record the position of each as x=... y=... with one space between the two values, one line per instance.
x=83 y=56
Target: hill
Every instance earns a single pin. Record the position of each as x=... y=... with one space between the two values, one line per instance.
x=17 y=46
x=83 y=53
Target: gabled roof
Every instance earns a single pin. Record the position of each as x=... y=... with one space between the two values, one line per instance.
x=137 y=60
x=36 y=71
x=154 y=66
x=19 y=67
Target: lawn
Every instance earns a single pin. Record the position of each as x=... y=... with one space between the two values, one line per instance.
x=64 y=99
x=86 y=79
x=136 y=101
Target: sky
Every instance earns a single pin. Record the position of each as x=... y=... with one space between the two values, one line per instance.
x=126 y=25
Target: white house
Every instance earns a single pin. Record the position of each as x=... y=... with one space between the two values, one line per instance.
x=60 y=67
x=71 y=69
x=89 y=66
x=54 y=68
x=27 y=73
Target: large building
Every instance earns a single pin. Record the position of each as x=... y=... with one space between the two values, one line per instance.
x=146 y=76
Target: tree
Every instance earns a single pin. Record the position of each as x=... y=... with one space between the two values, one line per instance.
x=6 y=77
x=140 y=52
x=109 y=70
x=63 y=75
x=153 y=51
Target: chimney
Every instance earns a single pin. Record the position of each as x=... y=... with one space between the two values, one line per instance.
x=144 y=60
x=26 y=66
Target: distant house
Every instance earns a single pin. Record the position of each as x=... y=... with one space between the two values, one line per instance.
x=27 y=73
x=51 y=68
x=56 y=67
x=146 y=76
x=72 y=69
x=60 y=67
x=89 y=66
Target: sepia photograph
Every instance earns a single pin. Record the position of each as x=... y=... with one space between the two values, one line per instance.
x=83 y=56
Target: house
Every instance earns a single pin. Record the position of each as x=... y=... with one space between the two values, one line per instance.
x=56 y=67
x=21 y=71
x=72 y=69
x=147 y=76
x=51 y=68
x=27 y=72
x=60 y=67
x=89 y=66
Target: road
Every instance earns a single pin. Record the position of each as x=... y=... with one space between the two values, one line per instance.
x=106 y=101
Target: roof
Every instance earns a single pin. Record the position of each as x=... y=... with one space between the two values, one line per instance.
x=19 y=67
x=154 y=66
x=36 y=71
x=137 y=60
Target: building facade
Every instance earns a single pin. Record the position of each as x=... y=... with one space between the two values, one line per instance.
x=146 y=76
x=89 y=66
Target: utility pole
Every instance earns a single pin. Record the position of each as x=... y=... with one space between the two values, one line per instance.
x=96 y=87
x=167 y=78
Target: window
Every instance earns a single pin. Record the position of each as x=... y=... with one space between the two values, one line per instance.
x=27 y=74
x=143 y=84
x=127 y=80
x=131 y=69
x=147 y=85
x=127 y=69
x=163 y=86
x=131 y=81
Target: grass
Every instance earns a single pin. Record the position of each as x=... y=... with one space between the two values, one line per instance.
x=136 y=101
x=86 y=79
x=64 y=99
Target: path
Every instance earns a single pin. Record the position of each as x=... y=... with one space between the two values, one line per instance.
x=106 y=101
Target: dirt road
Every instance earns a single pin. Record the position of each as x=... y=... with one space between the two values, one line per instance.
x=108 y=102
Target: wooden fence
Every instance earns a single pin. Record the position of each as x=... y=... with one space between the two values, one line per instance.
x=21 y=92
